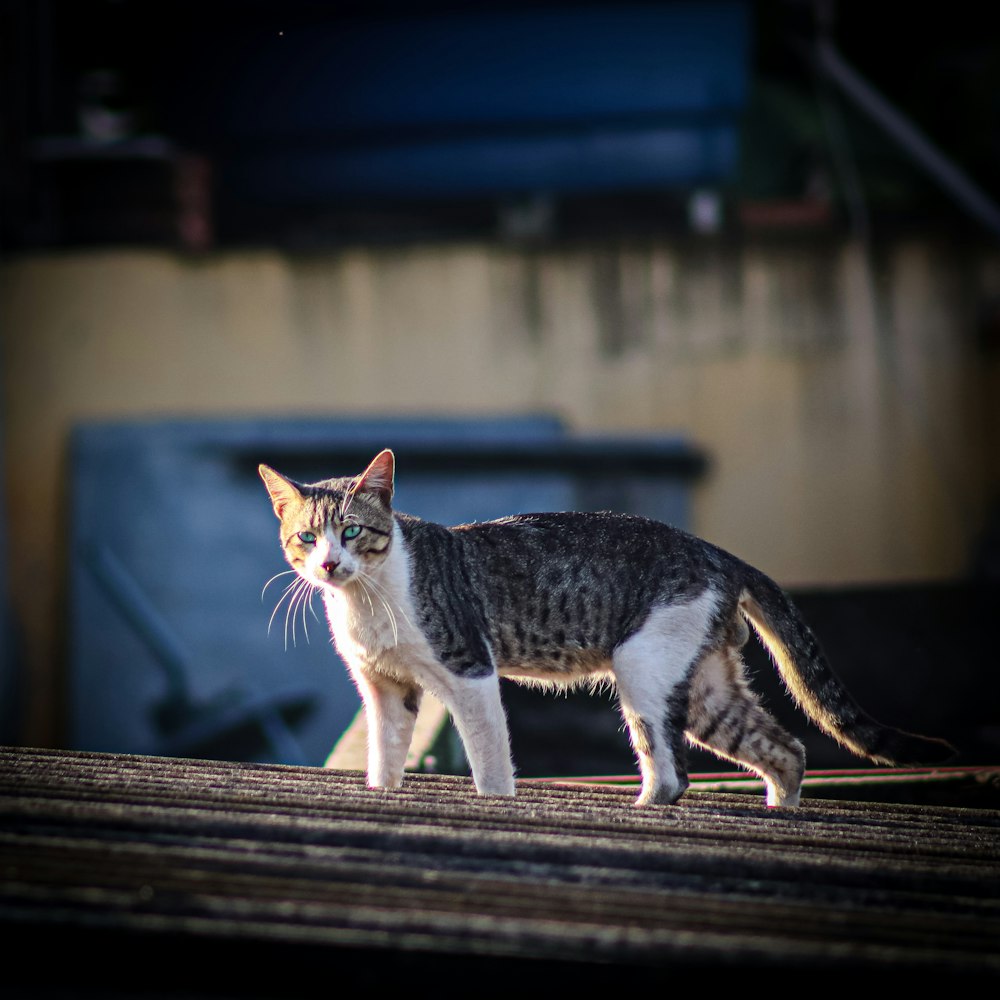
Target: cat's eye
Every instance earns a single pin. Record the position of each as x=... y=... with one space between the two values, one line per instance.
x=352 y=531
x=307 y=536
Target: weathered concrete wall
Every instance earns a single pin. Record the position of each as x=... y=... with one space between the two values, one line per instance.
x=848 y=411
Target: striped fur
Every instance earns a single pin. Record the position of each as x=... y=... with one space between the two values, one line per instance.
x=561 y=599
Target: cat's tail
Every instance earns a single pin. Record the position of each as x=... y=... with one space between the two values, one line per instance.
x=818 y=690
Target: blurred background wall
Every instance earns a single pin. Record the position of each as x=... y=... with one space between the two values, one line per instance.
x=200 y=220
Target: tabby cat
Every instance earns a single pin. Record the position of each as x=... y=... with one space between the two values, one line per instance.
x=561 y=599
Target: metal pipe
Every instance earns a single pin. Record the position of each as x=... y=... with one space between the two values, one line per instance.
x=965 y=191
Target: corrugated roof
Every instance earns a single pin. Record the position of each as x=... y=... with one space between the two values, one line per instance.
x=260 y=870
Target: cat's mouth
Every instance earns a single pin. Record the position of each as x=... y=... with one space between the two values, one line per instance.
x=335 y=578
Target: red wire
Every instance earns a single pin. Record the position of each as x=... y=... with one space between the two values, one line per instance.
x=847 y=774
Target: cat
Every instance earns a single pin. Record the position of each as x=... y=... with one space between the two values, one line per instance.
x=561 y=598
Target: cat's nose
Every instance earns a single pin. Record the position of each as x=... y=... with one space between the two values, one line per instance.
x=330 y=567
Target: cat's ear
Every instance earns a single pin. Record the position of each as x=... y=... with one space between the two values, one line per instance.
x=378 y=477
x=283 y=491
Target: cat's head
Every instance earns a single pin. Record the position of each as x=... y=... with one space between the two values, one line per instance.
x=338 y=529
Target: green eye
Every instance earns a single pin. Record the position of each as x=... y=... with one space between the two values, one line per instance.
x=352 y=531
x=307 y=536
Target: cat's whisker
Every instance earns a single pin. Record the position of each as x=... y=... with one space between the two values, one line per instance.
x=291 y=604
x=293 y=608
x=287 y=591
x=295 y=588
x=392 y=619
x=306 y=602
x=297 y=606
x=388 y=609
x=367 y=593
x=312 y=610
x=379 y=591
x=273 y=578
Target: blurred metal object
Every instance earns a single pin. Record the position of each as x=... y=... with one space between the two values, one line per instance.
x=185 y=724
x=923 y=152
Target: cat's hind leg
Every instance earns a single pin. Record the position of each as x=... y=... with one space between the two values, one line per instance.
x=725 y=717
x=652 y=671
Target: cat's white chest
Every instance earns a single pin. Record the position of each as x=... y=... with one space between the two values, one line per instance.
x=373 y=620
x=361 y=633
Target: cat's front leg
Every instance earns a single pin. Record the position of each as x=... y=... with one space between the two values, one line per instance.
x=390 y=711
x=478 y=712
